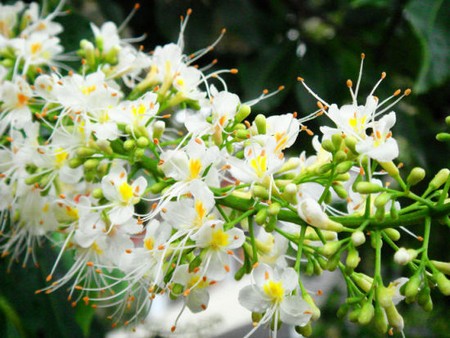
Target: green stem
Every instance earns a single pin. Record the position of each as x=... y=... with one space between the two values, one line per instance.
x=12 y=316
x=300 y=249
x=252 y=240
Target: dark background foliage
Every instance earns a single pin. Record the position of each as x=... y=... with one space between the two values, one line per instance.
x=271 y=43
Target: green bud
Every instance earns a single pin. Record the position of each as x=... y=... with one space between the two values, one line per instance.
x=242 y=134
x=139 y=153
x=158 y=129
x=90 y=176
x=333 y=262
x=85 y=152
x=340 y=156
x=261 y=216
x=75 y=162
x=239 y=126
x=260 y=192
x=366 y=314
x=290 y=193
x=239 y=155
x=380 y=320
x=363 y=281
x=392 y=233
x=313 y=307
x=368 y=188
x=260 y=121
x=350 y=142
x=142 y=142
x=393 y=211
x=195 y=263
x=412 y=286
x=440 y=178
x=317 y=267
x=344 y=167
x=242 y=113
x=270 y=225
x=343 y=310
x=97 y=193
x=354 y=315
x=415 y=176
x=390 y=168
x=428 y=307
x=342 y=177
x=447 y=120
x=322 y=262
x=423 y=297
x=256 y=317
x=305 y=331
x=177 y=289
x=129 y=145
x=443 y=137
x=381 y=200
x=337 y=140
x=352 y=259
x=358 y=238
x=157 y=187
x=442 y=266
x=394 y=318
x=383 y=296
x=330 y=248
x=325 y=168
x=340 y=190
x=91 y=164
x=443 y=283
x=328 y=146
x=112 y=55
x=32 y=179
x=274 y=209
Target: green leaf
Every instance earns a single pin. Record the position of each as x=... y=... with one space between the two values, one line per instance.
x=430 y=22
x=84 y=316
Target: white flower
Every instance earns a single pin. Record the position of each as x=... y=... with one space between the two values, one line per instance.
x=404 y=256
x=271 y=293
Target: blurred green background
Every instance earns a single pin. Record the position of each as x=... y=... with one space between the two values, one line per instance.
x=271 y=43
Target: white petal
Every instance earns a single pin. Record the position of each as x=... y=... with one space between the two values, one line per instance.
x=295 y=311
x=252 y=300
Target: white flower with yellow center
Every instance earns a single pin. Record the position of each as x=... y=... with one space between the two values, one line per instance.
x=219 y=245
x=122 y=195
x=272 y=294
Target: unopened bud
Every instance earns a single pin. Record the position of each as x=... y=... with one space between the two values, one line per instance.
x=404 y=256
x=358 y=238
x=368 y=188
x=129 y=145
x=328 y=146
x=340 y=190
x=260 y=121
x=243 y=112
x=443 y=137
x=337 y=140
x=313 y=307
x=363 y=281
x=380 y=320
x=442 y=266
x=330 y=248
x=443 y=283
x=352 y=259
x=261 y=216
x=85 y=151
x=274 y=209
x=412 y=286
x=142 y=142
x=415 y=176
x=392 y=233
x=158 y=129
x=440 y=178
x=139 y=153
x=447 y=120
x=350 y=142
x=333 y=261
x=91 y=164
x=366 y=314
x=290 y=193
x=342 y=311
x=423 y=297
x=384 y=296
x=390 y=168
x=381 y=200
x=242 y=134
x=97 y=193
x=269 y=226
x=394 y=318
x=157 y=187
x=260 y=192
x=305 y=331
x=344 y=167
x=354 y=315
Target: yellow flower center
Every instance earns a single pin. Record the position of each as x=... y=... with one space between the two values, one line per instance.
x=194 y=168
x=60 y=157
x=86 y=90
x=126 y=192
x=259 y=165
x=201 y=213
x=36 y=48
x=274 y=290
x=149 y=243
x=138 y=111
x=219 y=239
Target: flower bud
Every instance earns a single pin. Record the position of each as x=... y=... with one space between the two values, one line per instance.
x=274 y=209
x=354 y=314
x=242 y=113
x=366 y=314
x=97 y=193
x=383 y=295
x=443 y=137
x=260 y=122
x=343 y=167
x=440 y=178
x=260 y=192
x=442 y=266
x=85 y=151
x=363 y=281
x=412 y=286
x=443 y=283
x=337 y=140
x=261 y=216
x=394 y=318
x=342 y=311
x=340 y=156
x=324 y=168
x=91 y=164
x=142 y=142
x=340 y=190
x=305 y=330
x=139 y=153
x=423 y=297
x=330 y=248
x=404 y=256
x=269 y=226
x=290 y=193
x=350 y=142
x=242 y=134
x=415 y=176
x=380 y=320
x=352 y=259
x=256 y=317
x=390 y=168
x=392 y=233
x=368 y=188
x=381 y=200
x=129 y=145
x=328 y=146
x=112 y=56
x=333 y=261
x=313 y=307
x=157 y=187
x=358 y=238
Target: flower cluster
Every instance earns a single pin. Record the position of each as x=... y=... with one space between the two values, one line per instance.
x=144 y=169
